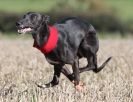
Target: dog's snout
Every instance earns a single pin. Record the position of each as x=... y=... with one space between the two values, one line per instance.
x=17 y=23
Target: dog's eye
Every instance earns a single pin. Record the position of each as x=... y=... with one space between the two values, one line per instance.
x=33 y=17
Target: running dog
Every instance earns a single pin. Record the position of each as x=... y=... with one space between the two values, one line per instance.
x=65 y=42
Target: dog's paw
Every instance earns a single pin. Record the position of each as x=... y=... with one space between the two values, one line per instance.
x=80 y=87
x=44 y=85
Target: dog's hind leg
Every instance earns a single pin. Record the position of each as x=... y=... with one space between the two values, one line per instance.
x=78 y=84
x=98 y=69
x=92 y=64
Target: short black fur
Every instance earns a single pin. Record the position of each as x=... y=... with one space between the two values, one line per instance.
x=77 y=39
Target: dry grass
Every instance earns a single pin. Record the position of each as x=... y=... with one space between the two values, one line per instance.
x=21 y=66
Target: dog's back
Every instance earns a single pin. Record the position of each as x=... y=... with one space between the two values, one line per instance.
x=80 y=33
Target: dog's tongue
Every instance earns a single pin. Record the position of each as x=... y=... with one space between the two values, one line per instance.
x=24 y=30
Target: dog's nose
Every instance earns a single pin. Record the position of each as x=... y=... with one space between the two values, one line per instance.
x=17 y=23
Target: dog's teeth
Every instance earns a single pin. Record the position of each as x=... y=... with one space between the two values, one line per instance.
x=24 y=30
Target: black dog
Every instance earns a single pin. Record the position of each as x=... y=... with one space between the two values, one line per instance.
x=70 y=40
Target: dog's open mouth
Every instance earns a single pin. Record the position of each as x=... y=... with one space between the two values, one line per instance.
x=24 y=30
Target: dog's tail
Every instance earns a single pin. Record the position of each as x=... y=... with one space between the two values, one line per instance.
x=96 y=70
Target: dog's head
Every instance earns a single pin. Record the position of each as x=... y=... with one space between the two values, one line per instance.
x=31 y=22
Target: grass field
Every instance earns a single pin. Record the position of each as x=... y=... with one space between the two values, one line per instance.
x=21 y=66
x=123 y=7
x=19 y=6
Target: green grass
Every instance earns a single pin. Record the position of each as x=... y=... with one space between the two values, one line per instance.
x=18 y=6
x=124 y=8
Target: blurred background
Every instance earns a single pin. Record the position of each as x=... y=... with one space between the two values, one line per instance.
x=109 y=17
x=21 y=65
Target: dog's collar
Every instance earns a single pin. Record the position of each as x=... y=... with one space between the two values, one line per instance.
x=51 y=43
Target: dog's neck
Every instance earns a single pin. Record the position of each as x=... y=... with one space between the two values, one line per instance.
x=41 y=35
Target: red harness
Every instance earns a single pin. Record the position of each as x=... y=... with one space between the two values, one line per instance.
x=51 y=43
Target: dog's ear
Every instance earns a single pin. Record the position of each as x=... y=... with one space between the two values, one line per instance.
x=46 y=18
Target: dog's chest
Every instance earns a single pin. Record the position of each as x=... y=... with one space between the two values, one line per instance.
x=51 y=61
x=60 y=56
x=53 y=58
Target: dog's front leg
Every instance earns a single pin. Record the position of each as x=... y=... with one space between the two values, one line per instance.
x=55 y=81
x=78 y=84
x=67 y=73
x=57 y=72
